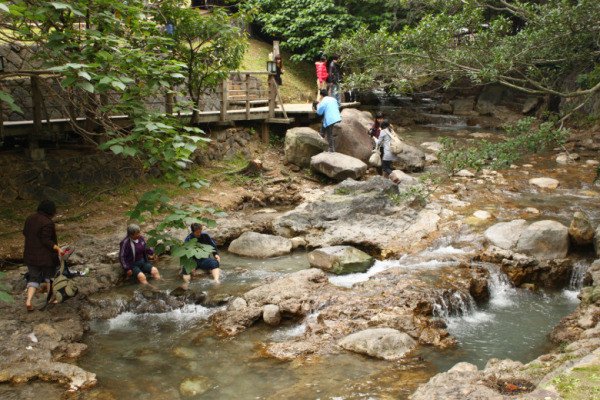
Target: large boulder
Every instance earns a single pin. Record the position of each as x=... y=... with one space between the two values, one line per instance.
x=545 y=240
x=581 y=231
x=301 y=144
x=338 y=166
x=351 y=136
x=412 y=159
x=340 y=259
x=505 y=234
x=385 y=343
x=259 y=245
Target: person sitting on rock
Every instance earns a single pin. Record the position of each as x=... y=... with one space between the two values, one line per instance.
x=329 y=109
x=134 y=255
x=206 y=264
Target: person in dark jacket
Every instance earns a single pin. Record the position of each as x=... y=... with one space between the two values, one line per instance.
x=374 y=133
x=278 y=70
x=41 y=250
x=334 y=78
x=134 y=255
x=206 y=264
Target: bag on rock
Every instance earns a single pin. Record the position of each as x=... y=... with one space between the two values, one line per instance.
x=61 y=288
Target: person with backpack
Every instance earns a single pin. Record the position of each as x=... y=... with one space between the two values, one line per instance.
x=41 y=250
x=334 y=78
x=328 y=108
x=322 y=75
x=207 y=264
x=134 y=255
x=384 y=141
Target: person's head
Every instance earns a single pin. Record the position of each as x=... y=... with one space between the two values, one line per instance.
x=47 y=207
x=134 y=231
x=278 y=59
x=323 y=59
x=196 y=229
x=323 y=92
x=335 y=57
x=385 y=124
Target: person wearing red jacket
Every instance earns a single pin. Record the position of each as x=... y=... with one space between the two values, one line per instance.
x=322 y=75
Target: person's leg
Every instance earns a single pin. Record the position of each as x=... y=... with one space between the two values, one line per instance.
x=387 y=167
x=35 y=277
x=215 y=274
x=329 y=132
x=212 y=265
x=137 y=272
x=335 y=92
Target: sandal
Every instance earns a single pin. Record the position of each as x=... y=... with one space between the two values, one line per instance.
x=29 y=308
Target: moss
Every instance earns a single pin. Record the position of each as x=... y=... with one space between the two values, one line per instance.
x=579 y=383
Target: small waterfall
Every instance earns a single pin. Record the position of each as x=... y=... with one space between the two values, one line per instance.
x=578 y=275
x=502 y=291
x=452 y=304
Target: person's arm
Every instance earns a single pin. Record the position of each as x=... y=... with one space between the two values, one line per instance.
x=47 y=235
x=124 y=251
x=321 y=108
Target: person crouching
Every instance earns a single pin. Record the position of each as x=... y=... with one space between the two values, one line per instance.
x=134 y=255
x=206 y=264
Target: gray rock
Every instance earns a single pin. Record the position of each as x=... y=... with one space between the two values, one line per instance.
x=384 y=343
x=340 y=260
x=505 y=234
x=301 y=144
x=412 y=159
x=581 y=231
x=530 y=104
x=194 y=386
x=545 y=240
x=338 y=166
x=259 y=245
x=401 y=178
x=271 y=314
x=351 y=136
x=463 y=106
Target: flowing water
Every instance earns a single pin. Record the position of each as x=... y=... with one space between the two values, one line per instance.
x=151 y=355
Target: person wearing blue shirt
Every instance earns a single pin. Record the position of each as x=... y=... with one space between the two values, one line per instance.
x=206 y=264
x=329 y=109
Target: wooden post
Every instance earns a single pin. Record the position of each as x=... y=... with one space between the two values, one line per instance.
x=247 y=96
x=169 y=103
x=36 y=100
x=264 y=132
x=272 y=95
x=275 y=48
x=224 y=96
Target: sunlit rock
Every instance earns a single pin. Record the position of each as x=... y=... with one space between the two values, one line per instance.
x=400 y=178
x=351 y=136
x=340 y=259
x=271 y=314
x=545 y=183
x=482 y=214
x=463 y=173
x=505 y=234
x=385 y=343
x=544 y=240
x=564 y=158
x=259 y=245
x=194 y=386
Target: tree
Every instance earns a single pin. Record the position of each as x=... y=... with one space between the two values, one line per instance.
x=527 y=45
x=303 y=25
x=109 y=58
x=209 y=47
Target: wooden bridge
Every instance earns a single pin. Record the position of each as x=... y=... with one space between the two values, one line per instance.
x=244 y=96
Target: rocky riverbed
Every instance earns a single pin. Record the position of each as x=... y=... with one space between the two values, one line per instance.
x=392 y=310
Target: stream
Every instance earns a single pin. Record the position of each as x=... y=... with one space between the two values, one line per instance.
x=157 y=356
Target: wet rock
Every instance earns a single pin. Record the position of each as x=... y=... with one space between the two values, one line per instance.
x=271 y=314
x=544 y=240
x=505 y=234
x=301 y=144
x=294 y=295
x=338 y=166
x=564 y=158
x=194 y=386
x=581 y=231
x=481 y=214
x=384 y=343
x=340 y=260
x=238 y=304
x=479 y=289
x=545 y=183
x=252 y=244
x=298 y=242
x=593 y=273
x=75 y=350
x=74 y=376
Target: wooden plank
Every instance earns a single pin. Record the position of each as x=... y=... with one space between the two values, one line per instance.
x=247 y=96
x=36 y=99
x=224 y=96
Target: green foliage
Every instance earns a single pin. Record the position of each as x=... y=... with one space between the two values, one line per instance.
x=303 y=25
x=175 y=216
x=526 y=137
x=3 y=289
x=530 y=45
